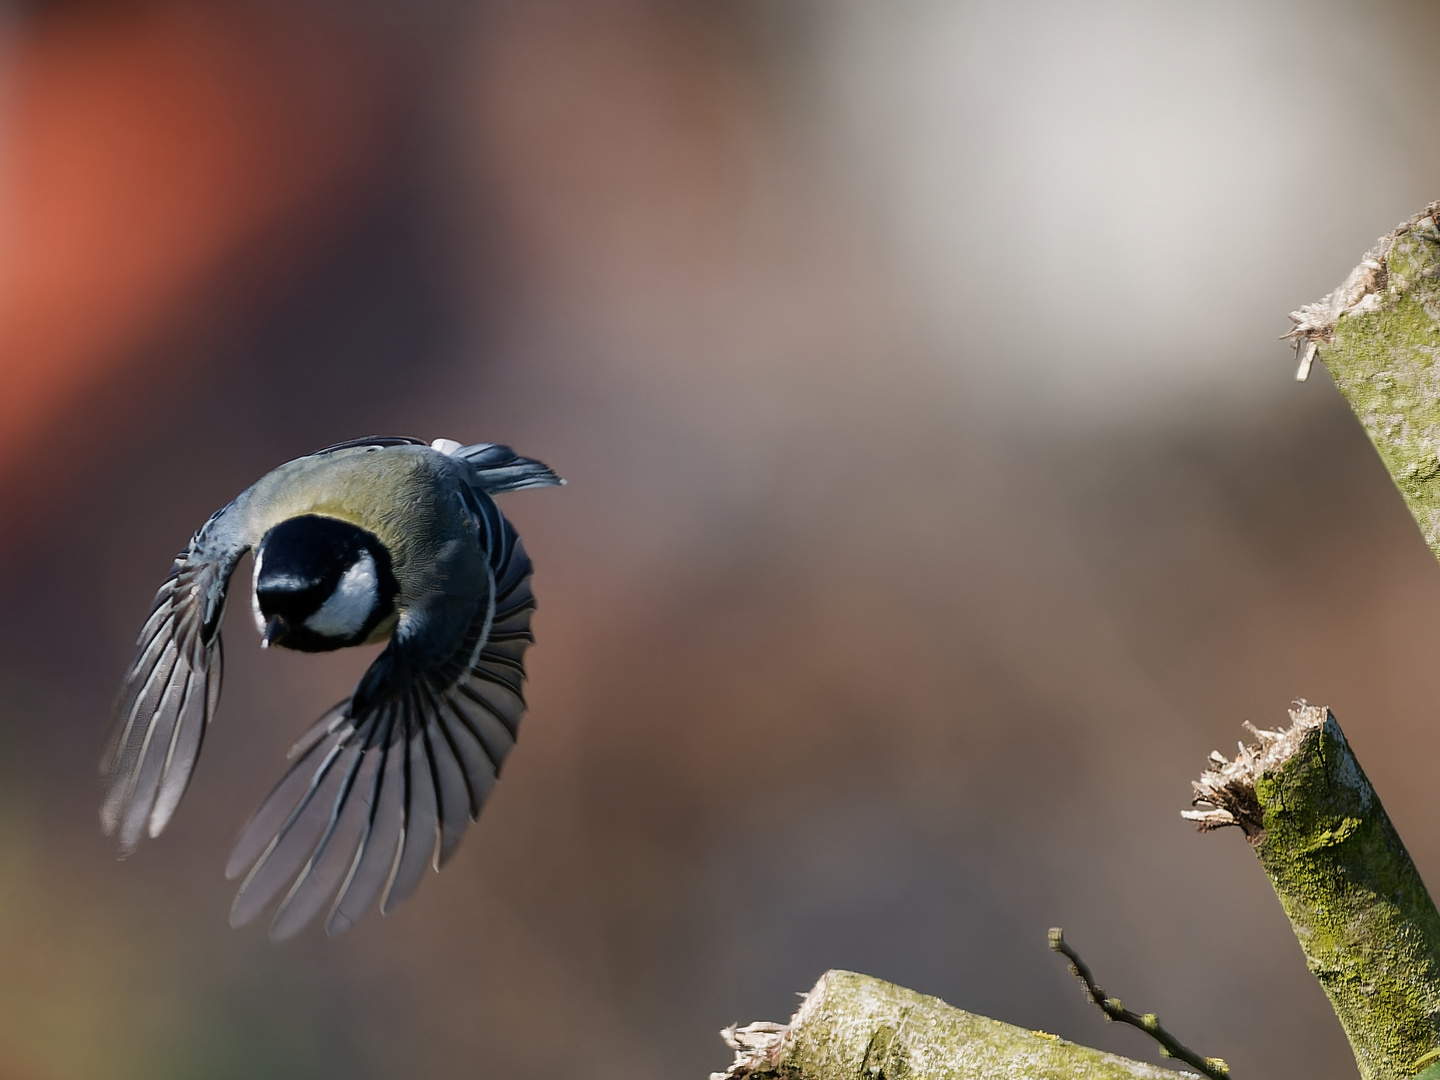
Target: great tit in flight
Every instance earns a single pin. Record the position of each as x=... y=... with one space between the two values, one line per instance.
x=380 y=539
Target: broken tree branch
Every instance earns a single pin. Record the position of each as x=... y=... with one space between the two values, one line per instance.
x=853 y=1027
x=1378 y=334
x=1365 y=922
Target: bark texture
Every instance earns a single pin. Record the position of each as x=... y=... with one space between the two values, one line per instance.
x=1378 y=334
x=1367 y=925
x=854 y=1027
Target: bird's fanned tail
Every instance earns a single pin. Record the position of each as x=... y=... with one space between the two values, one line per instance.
x=499 y=469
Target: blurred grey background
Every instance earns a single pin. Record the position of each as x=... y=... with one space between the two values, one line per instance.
x=939 y=497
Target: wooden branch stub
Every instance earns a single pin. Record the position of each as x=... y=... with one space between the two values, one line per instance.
x=854 y=1027
x=1378 y=334
x=1365 y=922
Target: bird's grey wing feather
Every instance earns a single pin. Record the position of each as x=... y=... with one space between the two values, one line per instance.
x=384 y=786
x=169 y=694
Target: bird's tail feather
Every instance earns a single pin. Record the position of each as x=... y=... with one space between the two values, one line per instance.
x=499 y=469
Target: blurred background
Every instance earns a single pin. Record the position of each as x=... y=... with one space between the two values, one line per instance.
x=939 y=497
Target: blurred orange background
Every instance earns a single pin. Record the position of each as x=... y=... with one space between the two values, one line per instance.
x=939 y=498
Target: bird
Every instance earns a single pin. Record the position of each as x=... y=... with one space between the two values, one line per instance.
x=381 y=539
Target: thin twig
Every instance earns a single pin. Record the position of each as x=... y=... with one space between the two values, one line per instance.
x=1215 y=1068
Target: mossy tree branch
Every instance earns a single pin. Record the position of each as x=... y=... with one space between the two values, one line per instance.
x=1378 y=334
x=1367 y=926
x=853 y=1027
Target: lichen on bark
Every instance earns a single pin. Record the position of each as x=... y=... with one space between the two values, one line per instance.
x=1365 y=922
x=854 y=1027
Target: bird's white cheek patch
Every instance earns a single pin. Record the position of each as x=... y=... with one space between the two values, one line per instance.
x=349 y=606
x=255 y=594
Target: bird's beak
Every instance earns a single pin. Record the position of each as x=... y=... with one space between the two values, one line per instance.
x=274 y=630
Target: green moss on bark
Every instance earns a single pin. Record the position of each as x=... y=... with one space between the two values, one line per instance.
x=1379 y=336
x=1367 y=925
x=854 y=1027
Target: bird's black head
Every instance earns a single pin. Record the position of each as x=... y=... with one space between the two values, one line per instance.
x=321 y=584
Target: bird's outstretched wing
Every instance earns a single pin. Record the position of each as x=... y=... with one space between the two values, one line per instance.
x=169 y=695
x=385 y=783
